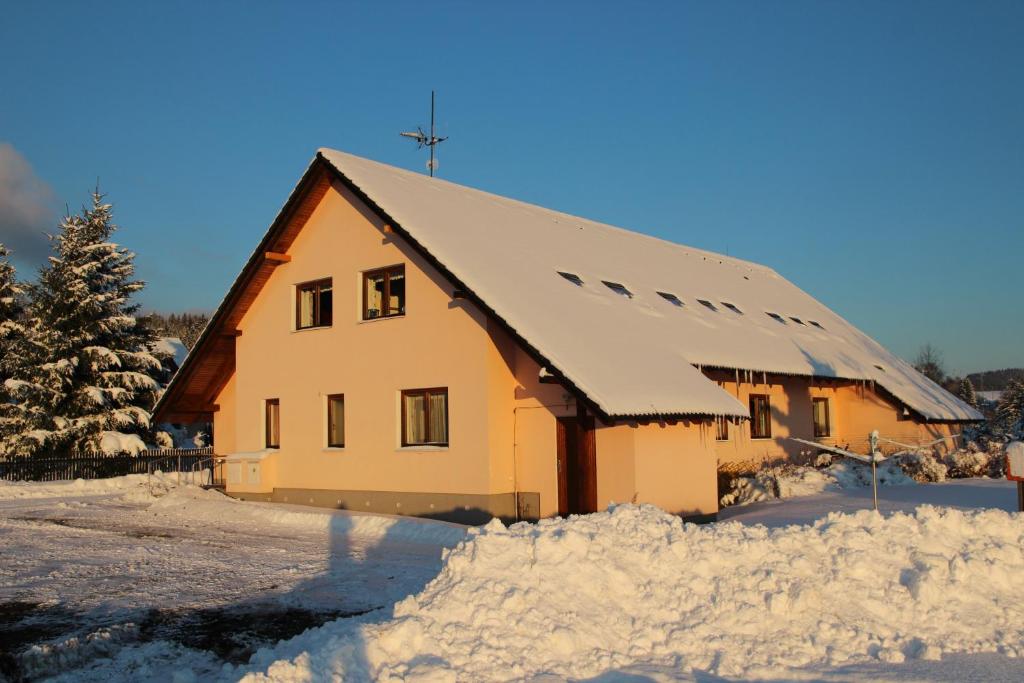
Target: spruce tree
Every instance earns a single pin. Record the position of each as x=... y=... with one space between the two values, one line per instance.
x=966 y=392
x=1010 y=410
x=95 y=373
x=13 y=420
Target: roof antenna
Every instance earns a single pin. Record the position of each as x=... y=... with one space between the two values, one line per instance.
x=424 y=140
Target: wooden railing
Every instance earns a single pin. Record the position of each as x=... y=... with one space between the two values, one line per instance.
x=99 y=465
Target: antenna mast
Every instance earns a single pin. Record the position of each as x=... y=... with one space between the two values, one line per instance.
x=424 y=140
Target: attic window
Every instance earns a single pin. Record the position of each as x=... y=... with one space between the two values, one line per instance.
x=816 y=324
x=572 y=277
x=798 y=321
x=671 y=298
x=707 y=304
x=618 y=289
x=776 y=316
x=732 y=307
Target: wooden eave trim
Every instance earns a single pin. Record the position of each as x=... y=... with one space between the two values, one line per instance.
x=275 y=258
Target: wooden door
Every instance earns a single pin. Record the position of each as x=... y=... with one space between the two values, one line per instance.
x=577 y=466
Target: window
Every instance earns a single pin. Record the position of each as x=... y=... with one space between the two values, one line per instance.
x=816 y=324
x=798 y=321
x=760 y=417
x=618 y=289
x=336 y=421
x=822 y=426
x=776 y=317
x=732 y=307
x=313 y=302
x=671 y=298
x=707 y=304
x=384 y=293
x=272 y=421
x=572 y=277
x=425 y=417
x=721 y=428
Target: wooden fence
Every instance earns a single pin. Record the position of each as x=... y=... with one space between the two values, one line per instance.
x=100 y=466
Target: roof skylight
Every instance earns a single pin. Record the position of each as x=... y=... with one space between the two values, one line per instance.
x=776 y=316
x=671 y=298
x=732 y=307
x=618 y=288
x=708 y=304
x=572 y=277
x=798 y=321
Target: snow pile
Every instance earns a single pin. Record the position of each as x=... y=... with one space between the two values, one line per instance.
x=636 y=585
x=84 y=487
x=788 y=481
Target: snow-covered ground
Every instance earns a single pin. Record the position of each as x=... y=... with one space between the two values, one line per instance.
x=183 y=584
x=154 y=579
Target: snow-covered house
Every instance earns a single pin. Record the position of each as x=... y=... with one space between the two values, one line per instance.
x=399 y=343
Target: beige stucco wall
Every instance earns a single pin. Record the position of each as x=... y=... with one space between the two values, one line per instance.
x=855 y=410
x=438 y=343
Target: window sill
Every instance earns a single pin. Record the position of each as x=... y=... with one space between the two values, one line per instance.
x=332 y=449
x=760 y=438
x=312 y=329
x=424 y=448
x=384 y=317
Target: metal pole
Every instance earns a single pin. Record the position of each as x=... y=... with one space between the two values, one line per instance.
x=431 y=134
x=1020 y=496
x=179 y=470
x=874 y=483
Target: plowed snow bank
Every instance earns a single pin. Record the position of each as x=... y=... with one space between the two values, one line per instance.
x=636 y=585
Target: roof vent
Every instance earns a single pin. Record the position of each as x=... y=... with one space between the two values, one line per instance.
x=671 y=298
x=816 y=324
x=732 y=307
x=776 y=316
x=798 y=321
x=708 y=304
x=618 y=288
x=572 y=277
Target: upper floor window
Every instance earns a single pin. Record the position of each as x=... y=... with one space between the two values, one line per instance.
x=272 y=420
x=336 y=421
x=384 y=292
x=822 y=425
x=760 y=417
x=313 y=304
x=425 y=417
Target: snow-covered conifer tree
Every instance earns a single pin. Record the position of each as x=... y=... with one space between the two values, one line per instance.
x=1010 y=411
x=95 y=373
x=12 y=357
x=966 y=392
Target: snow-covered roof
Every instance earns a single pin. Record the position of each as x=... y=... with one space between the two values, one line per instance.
x=172 y=347
x=633 y=351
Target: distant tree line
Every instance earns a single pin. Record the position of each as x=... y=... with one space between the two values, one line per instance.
x=1005 y=416
x=185 y=326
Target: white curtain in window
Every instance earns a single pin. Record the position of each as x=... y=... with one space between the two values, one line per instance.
x=374 y=296
x=396 y=292
x=306 y=308
x=415 y=419
x=438 y=418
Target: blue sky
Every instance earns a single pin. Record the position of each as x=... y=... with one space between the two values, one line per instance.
x=871 y=152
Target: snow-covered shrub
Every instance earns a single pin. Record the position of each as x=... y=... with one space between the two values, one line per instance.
x=116 y=443
x=922 y=466
x=163 y=440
